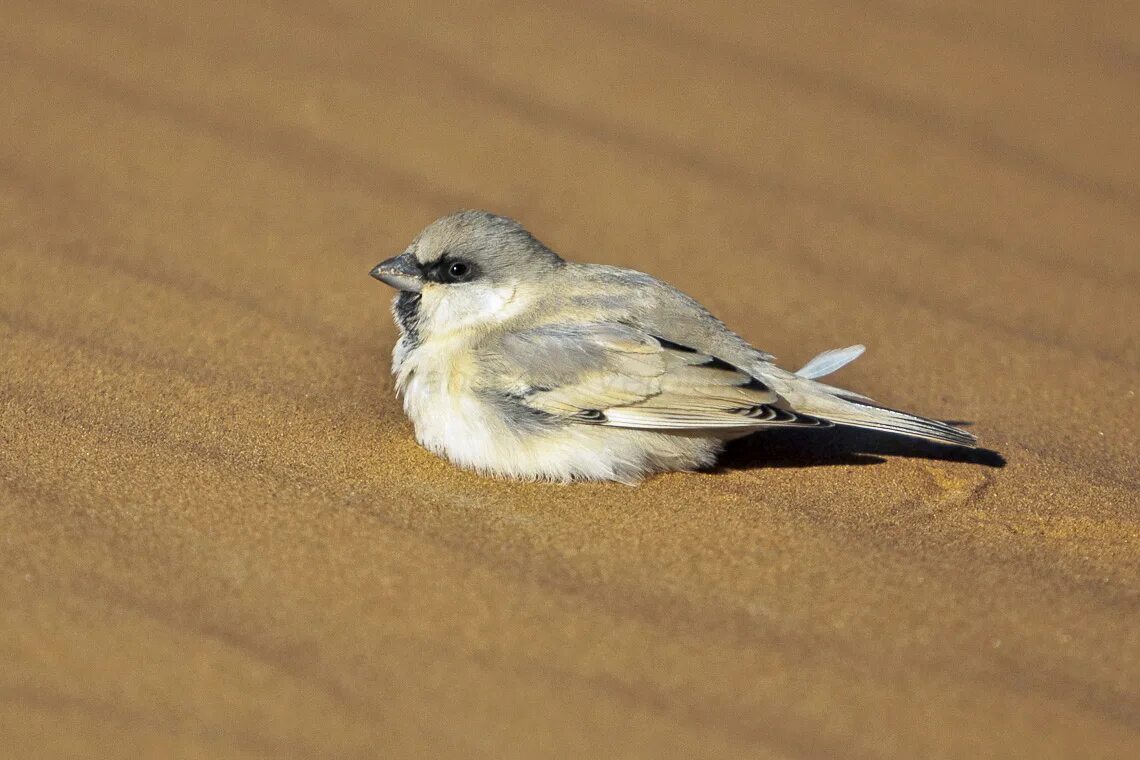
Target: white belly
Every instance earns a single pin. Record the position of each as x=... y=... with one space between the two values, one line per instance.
x=454 y=421
x=448 y=416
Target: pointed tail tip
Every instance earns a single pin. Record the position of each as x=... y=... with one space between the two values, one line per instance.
x=868 y=414
x=934 y=430
x=962 y=438
x=944 y=432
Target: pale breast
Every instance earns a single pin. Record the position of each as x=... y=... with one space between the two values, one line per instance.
x=437 y=383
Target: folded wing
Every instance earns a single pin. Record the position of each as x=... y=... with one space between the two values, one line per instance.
x=616 y=375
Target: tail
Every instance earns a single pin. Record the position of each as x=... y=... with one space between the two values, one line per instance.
x=846 y=408
x=865 y=414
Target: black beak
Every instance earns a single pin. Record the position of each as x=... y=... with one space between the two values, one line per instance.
x=401 y=272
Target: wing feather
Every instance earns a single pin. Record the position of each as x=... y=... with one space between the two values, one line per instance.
x=613 y=374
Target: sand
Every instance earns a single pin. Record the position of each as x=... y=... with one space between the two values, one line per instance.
x=219 y=539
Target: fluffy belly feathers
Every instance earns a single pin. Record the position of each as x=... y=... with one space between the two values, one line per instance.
x=452 y=419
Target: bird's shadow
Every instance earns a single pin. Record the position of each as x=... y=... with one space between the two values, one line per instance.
x=792 y=447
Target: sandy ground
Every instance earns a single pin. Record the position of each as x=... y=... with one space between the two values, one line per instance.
x=218 y=538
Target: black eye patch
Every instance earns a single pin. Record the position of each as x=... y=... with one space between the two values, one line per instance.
x=449 y=269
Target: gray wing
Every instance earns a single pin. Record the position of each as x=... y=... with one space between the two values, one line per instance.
x=664 y=375
x=593 y=292
x=611 y=374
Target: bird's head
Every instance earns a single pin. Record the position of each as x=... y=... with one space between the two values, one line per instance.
x=465 y=269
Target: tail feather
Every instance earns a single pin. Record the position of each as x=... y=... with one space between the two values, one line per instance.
x=860 y=412
x=874 y=417
x=830 y=361
x=807 y=396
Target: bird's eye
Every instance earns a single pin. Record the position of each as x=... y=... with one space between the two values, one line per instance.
x=458 y=271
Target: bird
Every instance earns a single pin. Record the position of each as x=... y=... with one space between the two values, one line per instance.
x=516 y=363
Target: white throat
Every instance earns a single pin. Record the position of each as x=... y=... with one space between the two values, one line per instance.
x=448 y=310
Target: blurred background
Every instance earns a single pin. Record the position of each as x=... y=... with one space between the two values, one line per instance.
x=221 y=540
